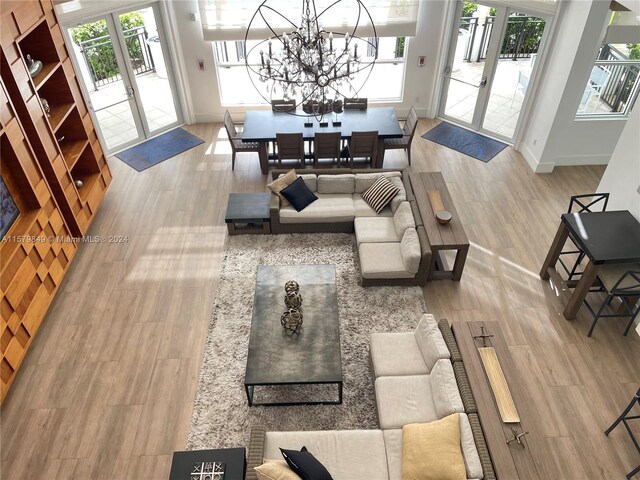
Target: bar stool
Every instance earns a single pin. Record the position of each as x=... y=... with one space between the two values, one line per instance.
x=624 y=418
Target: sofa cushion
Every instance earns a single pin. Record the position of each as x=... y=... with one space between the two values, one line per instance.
x=364 y=210
x=280 y=183
x=343 y=183
x=379 y=194
x=429 y=339
x=446 y=397
x=347 y=454
x=382 y=260
x=310 y=180
x=396 y=354
x=431 y=451
x=400 y=197
x=275 y=470
x=410 y=250
x=299 y=195
x=365 y=180
x=305 y=464
x=328 y=208
x=375 y=230
x=393 y=446
x=404 y=399
x=403 y=219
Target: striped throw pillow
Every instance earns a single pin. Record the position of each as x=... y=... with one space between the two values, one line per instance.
x=380 y=194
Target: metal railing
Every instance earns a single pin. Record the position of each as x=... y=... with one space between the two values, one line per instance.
x=100 y=58
x=619 y=89
x=521 y=39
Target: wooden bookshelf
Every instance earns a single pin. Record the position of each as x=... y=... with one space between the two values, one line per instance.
x=43 y=157
x=30 y=28
x=36 y=250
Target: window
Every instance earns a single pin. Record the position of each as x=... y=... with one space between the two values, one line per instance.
x=613 y=84
x=383 y=84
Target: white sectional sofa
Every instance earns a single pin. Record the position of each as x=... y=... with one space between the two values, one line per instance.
x=392 y=246
x=414 y=383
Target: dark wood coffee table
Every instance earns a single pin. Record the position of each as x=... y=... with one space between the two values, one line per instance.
x=248 y=213
x=230 y=460
x=309 y=357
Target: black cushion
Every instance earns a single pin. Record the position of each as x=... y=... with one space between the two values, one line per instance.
x=299 y=194
x=305 y=465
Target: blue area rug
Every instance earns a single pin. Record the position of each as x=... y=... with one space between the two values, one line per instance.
x=158 y=149
x=464 y=141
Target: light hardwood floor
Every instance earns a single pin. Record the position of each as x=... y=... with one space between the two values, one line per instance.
x=108 y=386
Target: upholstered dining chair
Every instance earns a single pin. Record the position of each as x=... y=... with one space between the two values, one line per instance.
x=363 y=145
x=590 y=202
x=235 y=139
x=290 y=147
x=355 y=103
x=326 y=145
x=283 y=105
x=622 y=281
x=408 y=130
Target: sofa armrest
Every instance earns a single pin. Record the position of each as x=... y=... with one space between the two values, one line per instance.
x=450 y=340
x=274 y=207
x=255 y=454
x=481 y=445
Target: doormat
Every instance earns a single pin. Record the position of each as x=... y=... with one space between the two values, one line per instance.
x=464 y=141
x=158 y=149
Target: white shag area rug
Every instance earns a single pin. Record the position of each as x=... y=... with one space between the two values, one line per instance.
x=221 y=417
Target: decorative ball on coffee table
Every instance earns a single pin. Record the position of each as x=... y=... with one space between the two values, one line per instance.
x=293 y=299
x=291 y=286
x=291 y=320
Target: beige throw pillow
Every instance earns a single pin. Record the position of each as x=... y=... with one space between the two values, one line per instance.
x=431 y=451
x=281 y=183
x=275 y=470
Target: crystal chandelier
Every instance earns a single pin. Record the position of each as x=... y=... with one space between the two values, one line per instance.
x=308 y=64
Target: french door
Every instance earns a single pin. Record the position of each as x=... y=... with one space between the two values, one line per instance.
x=122 y=60
x=490 y=62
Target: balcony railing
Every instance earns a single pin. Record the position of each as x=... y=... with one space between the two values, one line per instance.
x=621 y=84
x=521 y=39
x=100 y=58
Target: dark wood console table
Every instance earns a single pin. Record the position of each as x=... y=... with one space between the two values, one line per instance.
x=441 y=237
x=512 y=460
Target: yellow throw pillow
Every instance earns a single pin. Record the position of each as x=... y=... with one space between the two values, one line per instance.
x=275 y=470
x=281 y=183
x=431 y=451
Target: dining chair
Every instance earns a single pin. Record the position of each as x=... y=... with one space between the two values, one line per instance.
x=355 y=103
x=408 y=130
x=590 y=202
x=326 y=145
x=363 y=145
x=235 y=139
x=624 y=418
x=290 y=147
x=281 y=105
x=621 y=281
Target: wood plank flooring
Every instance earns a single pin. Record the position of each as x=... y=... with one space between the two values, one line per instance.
x=108 y=386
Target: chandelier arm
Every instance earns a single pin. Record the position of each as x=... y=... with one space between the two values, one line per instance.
x=334 y=3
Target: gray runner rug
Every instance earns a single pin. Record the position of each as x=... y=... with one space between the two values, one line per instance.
x=221 y=417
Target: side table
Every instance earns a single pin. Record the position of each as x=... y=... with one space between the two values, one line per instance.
x=248 y=213
x=209 y=464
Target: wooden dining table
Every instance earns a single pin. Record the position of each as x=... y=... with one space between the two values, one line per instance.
x=607 y=238
x=262 y=126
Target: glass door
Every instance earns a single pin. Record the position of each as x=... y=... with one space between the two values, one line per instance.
x=490 y=62
x=122 y=60
x=145 y=51
x=107 y=83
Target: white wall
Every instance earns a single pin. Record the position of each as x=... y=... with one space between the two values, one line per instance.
x=553 y=136
x=622 y=176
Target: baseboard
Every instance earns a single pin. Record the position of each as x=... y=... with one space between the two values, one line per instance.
x=579 y=160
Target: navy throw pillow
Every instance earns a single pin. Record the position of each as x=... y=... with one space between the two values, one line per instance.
x=305 y=465
x=299 y=195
